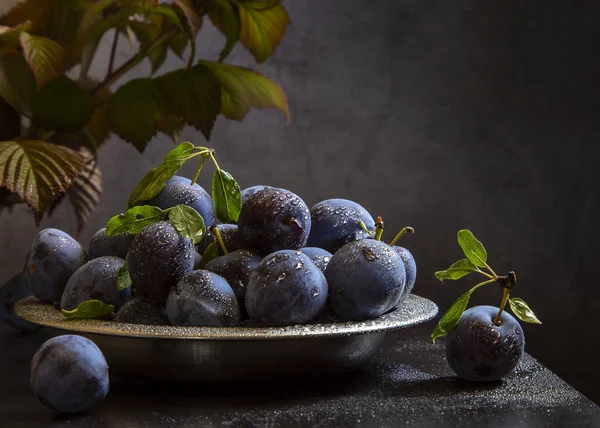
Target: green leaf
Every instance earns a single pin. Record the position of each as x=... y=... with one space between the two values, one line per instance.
x=134 y=220
x=226 y=195
x=38 y=172
x=90 y=309
x=261 y=27
x=178 y=43
x=522 y=310
x=243 y=89
x=194 y=95
x=193 y=16
x=154 y=181
x=157 y=57
x=85 y=193
x=187 y=222
x=224 y=16
x=9 y=36
x=17 y=83
x=137 y=111
x=70 y=113
x=452 y=316
x=472 y=248
x=457 y=270
x=123 y=278
x=210 y=253
x=168 y=13
x=45 y=57
x=96 y=29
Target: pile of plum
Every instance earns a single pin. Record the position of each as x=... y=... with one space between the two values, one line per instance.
x=281 y=264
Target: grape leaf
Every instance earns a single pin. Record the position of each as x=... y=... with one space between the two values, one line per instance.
x=225 y=17
x=167 y=12
x=210 y=253
x=98 y=123
x=242 y=89
x=452 y=316
x=76 y=105
x=123 y=278
x=457 y=270
x=134 y=220
x=137 y=111
x=38 y=172
x=187 y=222
x=473 y=249
x=194 y=19
x=17 y=83
x=193 y=95
x=262 y=26
x=45 y=57
x=178 y=43
x=96 y=28
x=85 y=193
x=154 y=181
x=9 y=36
x=522 y=310
x=90 y=309
x=157 y=57
x=226 y=195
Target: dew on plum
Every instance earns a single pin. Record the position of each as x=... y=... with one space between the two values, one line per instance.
x=319 y=256
x=142 y=311
x=97 y=279
x=69 y=374
x=157 y=259
x=274 y=219
x=203 y=299
x=53 y=257
x=366 y=279
x=286 y=289
x=247 y=193
x=102 y=245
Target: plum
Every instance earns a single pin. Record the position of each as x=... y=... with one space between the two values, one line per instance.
x=69 y=374
x=53 y=257
x=274 y=219
x=335 y=222
x=236 y=268
x=230 y=235
x=410 y=266
x=319 y=256
x=102 y=245
x=479 y=350
x=141 y=311
x=97 y=279
x=179 y=191
x=285 y=289
x=366 y=279
x=11 y=292
x=203 y=299
x=157 y=259
x=247 y=193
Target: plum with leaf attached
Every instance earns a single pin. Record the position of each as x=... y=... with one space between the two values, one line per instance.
x=103 y=245
x=483 y=343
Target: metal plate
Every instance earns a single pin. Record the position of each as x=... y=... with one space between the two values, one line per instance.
x=232 y=353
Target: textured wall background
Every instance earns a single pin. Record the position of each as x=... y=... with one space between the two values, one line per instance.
x=440 y=115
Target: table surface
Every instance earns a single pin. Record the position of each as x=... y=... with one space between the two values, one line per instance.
x=407 y=384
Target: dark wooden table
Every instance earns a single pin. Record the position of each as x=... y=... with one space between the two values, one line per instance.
x=407 y=384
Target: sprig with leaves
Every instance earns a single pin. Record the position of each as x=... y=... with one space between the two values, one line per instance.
x=476 y=262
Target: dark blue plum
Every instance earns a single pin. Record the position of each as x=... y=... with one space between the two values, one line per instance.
x=274 y=219
x=102 y=245
x=286 y=289
x=335 y=222
x=11 y=292
x=478 y=350
x=178 y=191
x=53 y=257
x=203 y=299
x=142 y=311
x=97 y=279
x=410 y=266
x=197 y=258
x=319 y=256
x=229 y=234
x=247 y=193
x=236 y=268
x=366 y=279
x=158 y=258
x=69 y=374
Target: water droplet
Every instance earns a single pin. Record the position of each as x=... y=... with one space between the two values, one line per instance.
x=281 y=277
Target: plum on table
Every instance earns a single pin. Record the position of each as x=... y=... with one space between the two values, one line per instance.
x=69 y=374
x=319 y=256
x=286 y=289
x=97 y=279
x=53 y=257
x=142 y=311
x=102 y=245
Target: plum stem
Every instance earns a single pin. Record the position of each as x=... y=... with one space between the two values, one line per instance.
x=507 y=282
x=379 y=228
x=218 y=238
x=404 y=230
x=506 y=292
x=197 y=173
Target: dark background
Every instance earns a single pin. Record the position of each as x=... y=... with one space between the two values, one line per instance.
x=436 y=114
